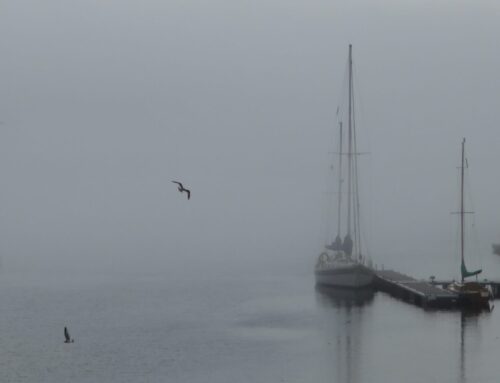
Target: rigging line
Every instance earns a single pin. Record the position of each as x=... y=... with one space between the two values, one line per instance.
x=327 y=206
x=356 y=201
x=456 y=224
x=354 y=192
x=325 y=219
x=331 y=199
x=469 y=191
x=462 y=239
x=356 y=177
x=451 y=239
x=359 y=97
x=356 y=116
x=341 y=98
x=340 y=180
x=473 y=237
x=349 y=146
x=467 y=198
x=328 y=211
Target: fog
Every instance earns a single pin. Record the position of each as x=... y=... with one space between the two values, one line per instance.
x=102 y=104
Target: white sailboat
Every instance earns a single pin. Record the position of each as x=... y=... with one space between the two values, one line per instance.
x=342 y=263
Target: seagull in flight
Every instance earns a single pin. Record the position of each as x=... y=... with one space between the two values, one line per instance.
x=181 y=188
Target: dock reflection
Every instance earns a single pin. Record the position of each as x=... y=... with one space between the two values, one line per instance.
x=343 y=312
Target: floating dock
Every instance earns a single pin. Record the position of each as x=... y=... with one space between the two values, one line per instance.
x=427 y=294
x=420 y=293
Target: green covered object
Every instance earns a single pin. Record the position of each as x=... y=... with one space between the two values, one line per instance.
x=466 y=273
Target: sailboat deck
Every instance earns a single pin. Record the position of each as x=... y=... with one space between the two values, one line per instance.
x=421 y=293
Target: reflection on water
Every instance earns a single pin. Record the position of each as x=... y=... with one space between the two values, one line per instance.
x=468 y=323
x=344 y=312
x=450 y=343
x=341 y=297
x=236 y=330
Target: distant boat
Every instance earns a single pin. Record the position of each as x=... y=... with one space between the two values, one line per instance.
x=471 y=294
x=496 y=249
x=341 y=263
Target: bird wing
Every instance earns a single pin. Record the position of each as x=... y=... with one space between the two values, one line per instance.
x=189 y=193
x=178 y=183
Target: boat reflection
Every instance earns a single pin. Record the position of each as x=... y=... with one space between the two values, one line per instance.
x=343 y=315
x=344 y=297
x=468 y=322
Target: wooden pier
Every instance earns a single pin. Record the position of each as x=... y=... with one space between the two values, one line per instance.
x=421 y=293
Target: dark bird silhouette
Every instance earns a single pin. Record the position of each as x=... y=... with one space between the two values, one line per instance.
x=181 y=188
x=67 y=337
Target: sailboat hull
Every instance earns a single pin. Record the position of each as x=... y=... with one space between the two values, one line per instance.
x=352 y=276
x=471 y=295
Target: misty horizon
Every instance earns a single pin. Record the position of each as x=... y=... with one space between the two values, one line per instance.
x=102 y=105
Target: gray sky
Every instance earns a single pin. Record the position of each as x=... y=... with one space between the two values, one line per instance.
x=103 y=103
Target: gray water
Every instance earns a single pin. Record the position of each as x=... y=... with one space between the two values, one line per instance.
x=258 y=327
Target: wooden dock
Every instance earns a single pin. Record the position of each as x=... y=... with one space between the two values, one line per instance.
x=421 y=293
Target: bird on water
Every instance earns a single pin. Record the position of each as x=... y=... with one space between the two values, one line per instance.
x=67 y=337
x=182 y=189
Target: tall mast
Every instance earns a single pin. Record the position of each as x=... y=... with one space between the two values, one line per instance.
x=465 y=273
x=349 y=147
x=340 y=181
x=462 y=206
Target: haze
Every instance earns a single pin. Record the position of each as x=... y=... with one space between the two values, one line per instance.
x=103 y=103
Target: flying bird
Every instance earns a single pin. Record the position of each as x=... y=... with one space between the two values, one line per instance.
x=181 y=188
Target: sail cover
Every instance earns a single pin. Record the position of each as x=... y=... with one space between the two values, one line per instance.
x=466 y=273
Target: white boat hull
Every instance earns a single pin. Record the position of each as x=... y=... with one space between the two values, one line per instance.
x=353 y=276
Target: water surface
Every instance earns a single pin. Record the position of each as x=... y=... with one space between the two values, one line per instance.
x=231 y=328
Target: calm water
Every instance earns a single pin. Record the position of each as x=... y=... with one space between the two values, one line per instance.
x=259 y=328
